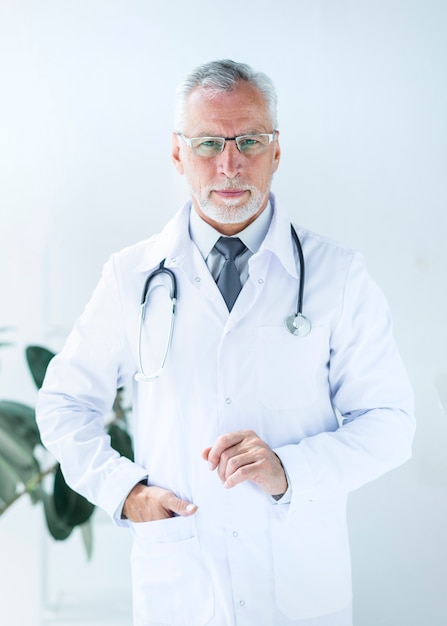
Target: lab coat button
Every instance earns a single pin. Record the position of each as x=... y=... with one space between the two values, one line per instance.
x=260 y=281
x=228 y=400
x=242 y=602
x=197 y=279
x=235 y=533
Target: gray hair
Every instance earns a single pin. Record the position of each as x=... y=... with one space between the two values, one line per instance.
x=220 y=76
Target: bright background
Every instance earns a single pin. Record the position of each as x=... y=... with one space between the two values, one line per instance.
x=86 y=104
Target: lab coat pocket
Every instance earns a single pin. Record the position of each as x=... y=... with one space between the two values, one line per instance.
x=171 y=583
x=286 y=366
x=311 y=559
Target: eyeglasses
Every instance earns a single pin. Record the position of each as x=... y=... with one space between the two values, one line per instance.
x=250 y=145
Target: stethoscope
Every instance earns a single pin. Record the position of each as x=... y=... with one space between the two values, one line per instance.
x=297 y=324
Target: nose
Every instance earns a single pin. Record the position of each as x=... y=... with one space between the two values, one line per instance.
x=230 y=160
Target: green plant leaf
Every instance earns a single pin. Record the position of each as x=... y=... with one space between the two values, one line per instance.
x=8 y=483
x=71 y=508
x=13 y=485
x=16 y=452
x=38 y=359
x=20 y=422
x=58 y=529
x=120 y=440
x=18 y=455
x=17 y=467
x=19 y=436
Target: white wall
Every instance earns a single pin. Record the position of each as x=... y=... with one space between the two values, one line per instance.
x=86 y=92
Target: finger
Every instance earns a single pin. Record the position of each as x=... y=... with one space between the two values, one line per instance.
x=178 y=506
x=267 y=473
x=237 y=457
x=223 y=443
x=258 y=471
x=245 y=472
x=234 y=462
x=205 y=454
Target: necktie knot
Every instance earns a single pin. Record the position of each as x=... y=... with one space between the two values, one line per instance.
x=230 y=247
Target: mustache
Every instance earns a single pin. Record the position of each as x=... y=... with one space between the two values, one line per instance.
x=232 y=185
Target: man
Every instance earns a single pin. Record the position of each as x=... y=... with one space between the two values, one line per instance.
x=249 y=437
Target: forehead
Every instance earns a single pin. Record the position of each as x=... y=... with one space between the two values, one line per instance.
x=242 y=110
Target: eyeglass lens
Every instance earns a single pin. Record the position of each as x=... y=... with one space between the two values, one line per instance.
x=247 y=144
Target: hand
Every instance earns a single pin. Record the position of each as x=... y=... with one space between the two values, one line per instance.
x=147 y=504
x=241 y=456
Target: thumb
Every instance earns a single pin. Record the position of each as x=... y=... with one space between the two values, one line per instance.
x=181 y=507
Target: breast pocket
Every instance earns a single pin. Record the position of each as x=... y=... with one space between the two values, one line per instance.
x=171 y=583
x=288 y=367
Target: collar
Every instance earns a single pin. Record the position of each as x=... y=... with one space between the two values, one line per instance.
x=278 y=240
x=170 y=244
x=173 y=242
x=205 y=236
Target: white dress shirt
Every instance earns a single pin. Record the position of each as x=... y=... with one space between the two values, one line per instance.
x=205 y=237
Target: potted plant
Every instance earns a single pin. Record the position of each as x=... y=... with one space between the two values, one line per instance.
x=24 y=469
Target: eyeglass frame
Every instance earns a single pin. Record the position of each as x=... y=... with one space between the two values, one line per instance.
x=189 y=140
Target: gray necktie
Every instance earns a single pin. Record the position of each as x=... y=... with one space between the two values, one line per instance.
x=229 y=281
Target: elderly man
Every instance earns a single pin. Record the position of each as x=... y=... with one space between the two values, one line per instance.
x=253 y=417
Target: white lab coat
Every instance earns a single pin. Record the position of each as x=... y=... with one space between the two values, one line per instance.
x=243 y=558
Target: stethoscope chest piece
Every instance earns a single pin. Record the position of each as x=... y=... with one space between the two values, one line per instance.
x=298 y=325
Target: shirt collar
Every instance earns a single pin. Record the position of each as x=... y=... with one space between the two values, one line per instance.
x=205 y=236
x=270 y=231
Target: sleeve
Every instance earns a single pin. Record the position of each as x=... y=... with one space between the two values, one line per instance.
x=371 y=395
x=77 y=396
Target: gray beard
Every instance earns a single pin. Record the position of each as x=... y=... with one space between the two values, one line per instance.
x=228 y=213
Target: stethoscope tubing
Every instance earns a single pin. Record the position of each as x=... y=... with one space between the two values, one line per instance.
x=299 y=307
x=297 y=324
x=161 y=269
x=144 y=297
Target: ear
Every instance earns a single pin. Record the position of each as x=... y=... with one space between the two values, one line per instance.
x=277 y=153
x=176 y=154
